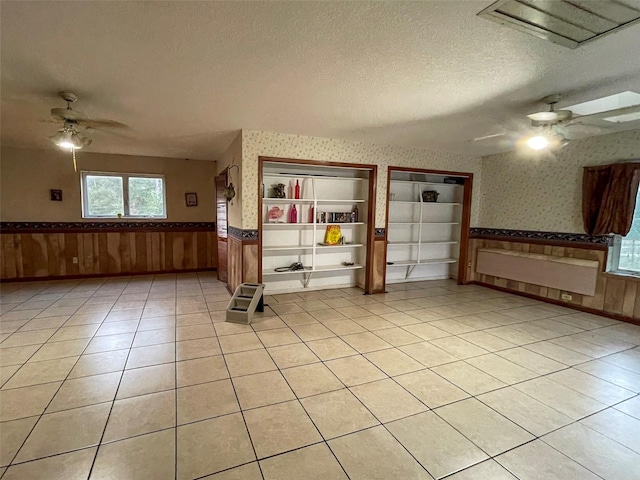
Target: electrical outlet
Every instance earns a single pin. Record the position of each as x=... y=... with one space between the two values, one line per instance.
x=566 y=296
x=74 y=259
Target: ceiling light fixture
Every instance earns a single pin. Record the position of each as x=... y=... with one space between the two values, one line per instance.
x=549 y=138
x=70 y=139
x=538 y=142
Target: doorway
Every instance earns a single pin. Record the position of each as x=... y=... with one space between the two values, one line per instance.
x=221 y=226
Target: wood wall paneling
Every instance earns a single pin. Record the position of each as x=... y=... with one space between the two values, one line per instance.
x=51 y=254
x=616 y=295
x=379 y=264
x=235 y=263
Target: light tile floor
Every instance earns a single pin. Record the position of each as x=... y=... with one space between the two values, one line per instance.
x=141 y=378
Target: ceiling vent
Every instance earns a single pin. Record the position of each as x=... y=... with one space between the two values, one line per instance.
x=570 y=23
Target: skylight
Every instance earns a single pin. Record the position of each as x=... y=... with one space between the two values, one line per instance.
x=606 y=104
x=570 y=23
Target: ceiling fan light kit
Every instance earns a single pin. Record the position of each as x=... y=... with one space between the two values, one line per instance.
x=68 y=137
x=537 y=142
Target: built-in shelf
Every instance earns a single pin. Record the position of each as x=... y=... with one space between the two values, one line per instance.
x=287 y=200
x=413 y=182
x=434 y=261
x=414 y=225
x=425 y=203
x=306 y=224
x=315 y=177
x=318 y=269
x=323 y=189
x=310 y=247
x=309 y=200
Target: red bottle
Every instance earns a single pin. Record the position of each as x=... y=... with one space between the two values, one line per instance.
x=297 y=190
x=311 y=212
x=293 y=214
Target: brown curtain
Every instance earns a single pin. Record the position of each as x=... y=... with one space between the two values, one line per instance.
x=609 y=198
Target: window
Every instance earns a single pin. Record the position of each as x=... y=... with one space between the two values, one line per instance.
x=127 y=195
x=626 y=250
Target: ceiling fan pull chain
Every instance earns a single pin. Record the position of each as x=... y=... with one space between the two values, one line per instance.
x=73 y=153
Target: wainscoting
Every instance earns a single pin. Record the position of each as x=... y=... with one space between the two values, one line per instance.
x=615 y=295
x=35 y=251
x=243 y=257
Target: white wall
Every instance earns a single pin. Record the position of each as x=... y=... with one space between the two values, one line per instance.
x=28 y=175
x=257 y=143
x=525 y=191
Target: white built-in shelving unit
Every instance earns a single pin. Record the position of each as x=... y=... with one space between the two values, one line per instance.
x=423 y=238
x=323 y=189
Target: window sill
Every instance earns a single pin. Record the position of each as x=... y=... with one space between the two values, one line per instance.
x=625 y=275
x=97 y=219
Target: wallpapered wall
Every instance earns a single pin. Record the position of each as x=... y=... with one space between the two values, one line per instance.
x=28 y=175
x=233 y=156
x=258 y=143
x=524 y=191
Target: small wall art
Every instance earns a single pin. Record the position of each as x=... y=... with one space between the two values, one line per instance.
x=191 y=199
x=56 y=195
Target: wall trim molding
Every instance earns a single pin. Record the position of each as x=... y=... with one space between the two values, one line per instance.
x=90 y=227
x=548 y=238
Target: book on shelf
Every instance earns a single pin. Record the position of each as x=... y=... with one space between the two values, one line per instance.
x=335 y=217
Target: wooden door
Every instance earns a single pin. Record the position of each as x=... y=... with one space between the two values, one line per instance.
x=221 y=226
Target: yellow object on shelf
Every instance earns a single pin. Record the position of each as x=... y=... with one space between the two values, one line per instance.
x=332 y=235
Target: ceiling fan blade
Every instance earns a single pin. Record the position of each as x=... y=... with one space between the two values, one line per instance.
x=67 y=114
x=97 y=124
x=488 y=137
x=578 y=129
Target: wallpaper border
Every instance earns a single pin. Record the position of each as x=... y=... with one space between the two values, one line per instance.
x=241 y=234
x=528 y=235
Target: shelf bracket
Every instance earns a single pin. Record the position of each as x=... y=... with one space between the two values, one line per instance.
x=409 y=270
x=307 y=279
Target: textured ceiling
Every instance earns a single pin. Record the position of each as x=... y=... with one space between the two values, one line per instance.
x=186 y=76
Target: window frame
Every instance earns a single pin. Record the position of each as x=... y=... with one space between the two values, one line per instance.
x=614 y=258
x=125 y=193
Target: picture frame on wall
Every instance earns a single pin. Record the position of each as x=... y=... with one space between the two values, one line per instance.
x=191 y=199
x=56 y=195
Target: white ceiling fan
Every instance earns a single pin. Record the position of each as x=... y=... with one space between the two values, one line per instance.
x=69 y=137
x=555 y=128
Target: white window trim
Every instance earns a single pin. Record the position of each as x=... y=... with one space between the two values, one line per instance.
x=614 y=259
x=125 y=193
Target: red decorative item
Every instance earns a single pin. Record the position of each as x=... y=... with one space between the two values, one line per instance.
x=311 y=212
x=297 y=190
x=293 y=214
